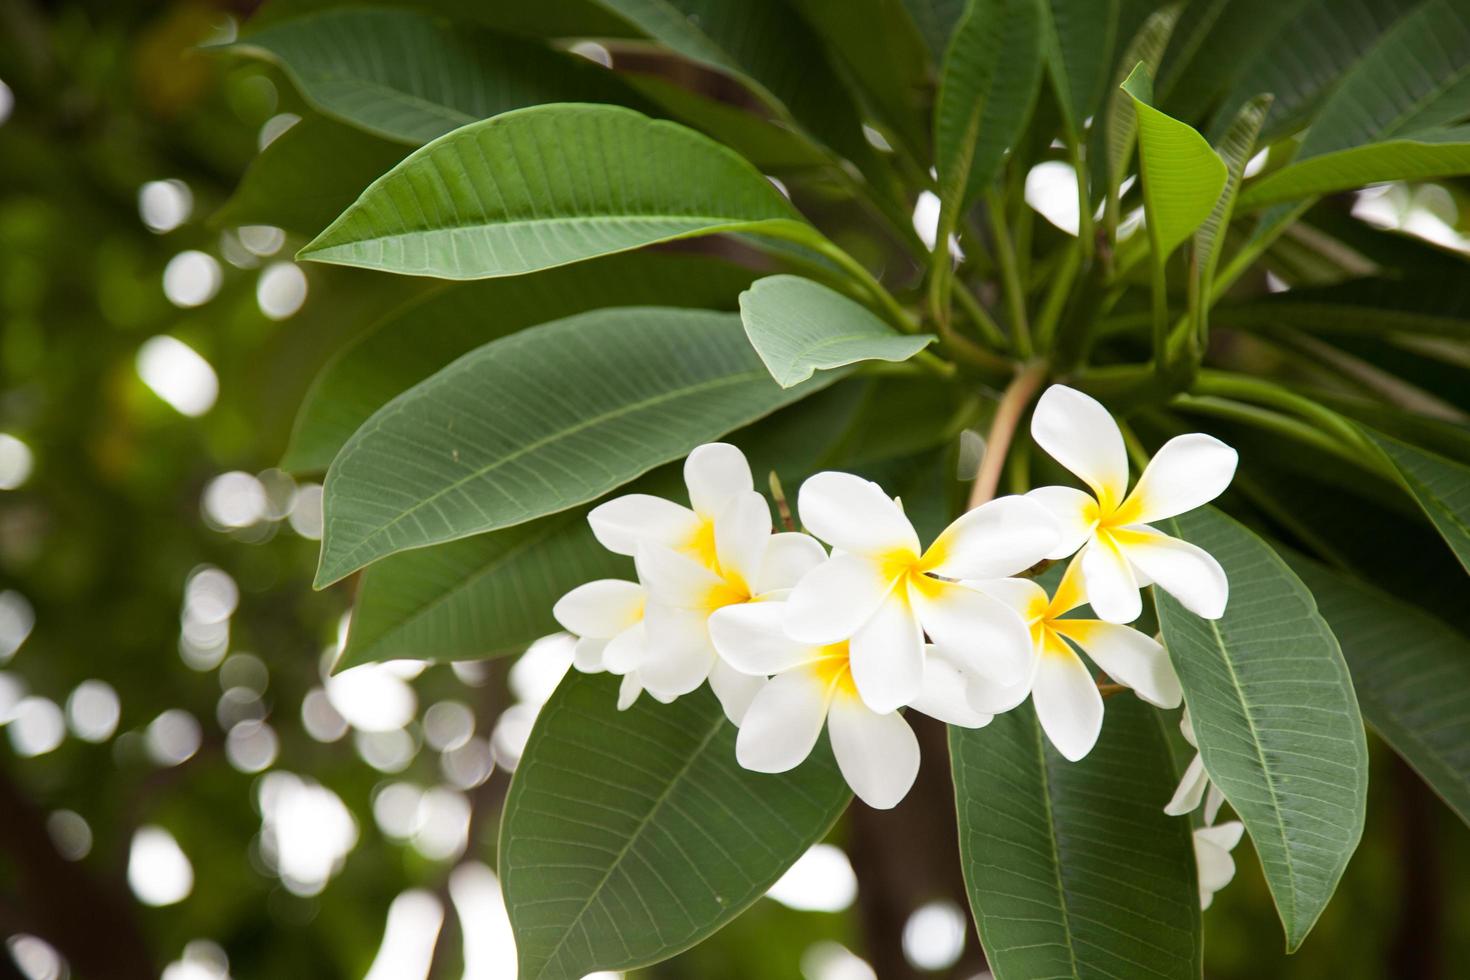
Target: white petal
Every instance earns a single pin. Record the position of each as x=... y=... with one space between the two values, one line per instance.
x=991 y=697
x=1185 y=571
x=750 y=638
x=1002 y=537
x=855 y=515
x=680 y=654
x=1023 y=595
x=944 y=695
x=1191 y=789
x=1187 y=472
x=983 y=635
x=623 y=522
x=677 y=580
x=1186 y=727
x=1216 y=866
x=601 y=609
x=1128 y=656
x=877 y=753
x=1068 y=704
x=587 y=655
x=783 y=721
x=629 y=690
x=887 y=655
x=789 y=556
x=1214 y=799
x=1078 y=432
x=1075 y=514
x=835 y=599
x=734 y=690
x=741 y=533
x=714 y=474
x=1224 y=836
x=1111 y=588
x=628 y=650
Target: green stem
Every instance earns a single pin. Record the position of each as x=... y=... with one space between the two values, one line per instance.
x=896 y=313
x=1056 y=297
x=1264 y=418
x=1229 y=385
x=989 y=329
x=1008 y=412
x=1160 y=283
x=1084 y=200
x=1010 y=274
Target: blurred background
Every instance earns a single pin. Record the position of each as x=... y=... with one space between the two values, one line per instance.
x=185 y=792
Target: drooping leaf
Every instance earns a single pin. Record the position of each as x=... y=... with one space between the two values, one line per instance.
x=307 y=176
x=1420 y=156
x=1440 y=486
x=413 y=342
x=1073 y=869
x=1182 y=176
x=987 y=88
x=1121 y=120
x=1412 y=674
x=538 y=422
x=412 y=77
x=798 y=326
x=630 y=836
x=547 y=186
x=1275 y=716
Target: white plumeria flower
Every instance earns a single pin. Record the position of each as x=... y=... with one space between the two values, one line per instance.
x=1212 y=847
x=607 y=617
x=1120 y=552
x=813 y=684
x=1066 y=697
x=881 y=591
x=749 y=565
x=1196 y=782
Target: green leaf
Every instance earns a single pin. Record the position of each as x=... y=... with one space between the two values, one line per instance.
x=1121 y=120
x=1440 y=486
x=936 y=20
x=798 y=326
x=1412 y=671
x=1209 y=240
x=548 y=186
x=987 y=88
x=413 y=342
x=1378 y=308
x=1422 y=156
x=1082 y=39
x=1073 y=869
x=537 y=422
x=1182 y=177
x=630 y=836
x=1275 y=716
x=412 y=77
x=307 y=176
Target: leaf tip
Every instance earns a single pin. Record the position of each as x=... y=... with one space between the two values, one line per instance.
x=1139 y=83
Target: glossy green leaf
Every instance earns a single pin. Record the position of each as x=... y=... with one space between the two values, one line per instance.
x=412 y=77
x=1275 y=715
x=1422 y=156
x=1121 y=120
x=537 y=422
x=1412 y=673
x=1440 y=486
x=548 y=186
x=307 y=176
x=798 y=326
x=413 y=342
x=1073 y=869
x=630 y=836
x=1182 y=176
x=987 y=88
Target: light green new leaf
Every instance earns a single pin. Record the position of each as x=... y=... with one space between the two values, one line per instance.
x=1412 y=673
x=413 y=342
x=548 y=186
x=1275 y=716
x=1182 y=177
x=798 y=326
x=1120 y=122
x=537 y=422
x=1440 y=486
x=1073 y=869
x=412 y=77
x=1422 y=156
x=630 y=836
x=307 y=176
x=987 y=89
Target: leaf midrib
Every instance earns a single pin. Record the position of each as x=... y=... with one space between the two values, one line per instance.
x=704 y=220
x=1051 y=825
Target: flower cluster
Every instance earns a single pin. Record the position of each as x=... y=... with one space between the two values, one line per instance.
x=793 y=638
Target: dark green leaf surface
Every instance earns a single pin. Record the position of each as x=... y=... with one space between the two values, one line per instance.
x=1420 y=156
x=1073 y=869
x=1412 y=674
x=1437 y=306
x=537 y=422
x=413 y=77
x=1275 y=716
x=548 y=186
x=413 y=342
x=1120 y=122
x=798 y=326
x=630 y=836
x=1440 y=486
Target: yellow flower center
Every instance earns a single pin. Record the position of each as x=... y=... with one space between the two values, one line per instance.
x=701 y=545
x=834 y=671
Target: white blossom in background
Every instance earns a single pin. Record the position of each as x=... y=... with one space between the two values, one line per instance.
x=882 y=593
x=1120 y=551
x=1195 y=785
x=1212 y=847
x=1063 y=691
